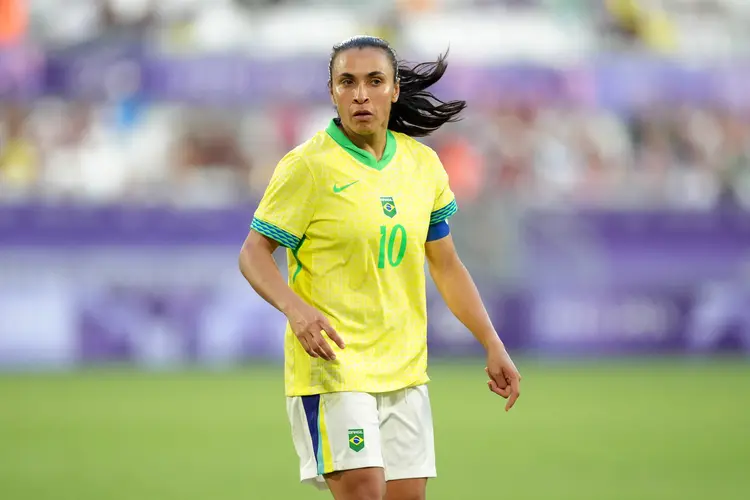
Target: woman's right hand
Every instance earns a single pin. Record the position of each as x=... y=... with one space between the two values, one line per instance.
x=308 y=323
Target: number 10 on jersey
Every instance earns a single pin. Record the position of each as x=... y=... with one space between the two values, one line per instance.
x=388 y=245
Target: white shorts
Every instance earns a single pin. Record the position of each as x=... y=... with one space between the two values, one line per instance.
x=352 y=430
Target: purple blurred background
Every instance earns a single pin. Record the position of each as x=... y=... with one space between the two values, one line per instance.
x=161 y=287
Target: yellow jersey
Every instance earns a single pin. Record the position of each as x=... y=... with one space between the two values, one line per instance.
x=355 y=230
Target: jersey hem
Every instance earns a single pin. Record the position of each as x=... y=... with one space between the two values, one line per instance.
x=315 y=390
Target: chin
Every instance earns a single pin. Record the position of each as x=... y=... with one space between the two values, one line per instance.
x=364 y=128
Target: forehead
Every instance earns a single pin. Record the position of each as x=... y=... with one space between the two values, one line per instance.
x=362 y=61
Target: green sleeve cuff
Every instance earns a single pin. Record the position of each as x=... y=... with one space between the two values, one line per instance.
x=444 y=213
x=283 y=238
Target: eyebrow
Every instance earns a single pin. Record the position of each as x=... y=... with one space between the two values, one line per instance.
x=370 y=74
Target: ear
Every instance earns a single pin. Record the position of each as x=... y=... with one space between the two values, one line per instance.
x=396 y=90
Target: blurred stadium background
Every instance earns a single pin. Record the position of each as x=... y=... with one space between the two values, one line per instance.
x=603 y=175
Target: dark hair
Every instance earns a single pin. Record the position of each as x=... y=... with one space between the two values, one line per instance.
x=417 y=112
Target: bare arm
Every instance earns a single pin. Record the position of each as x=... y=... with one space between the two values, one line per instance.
x=459 y=291
x=259 y=269
x=462 y=297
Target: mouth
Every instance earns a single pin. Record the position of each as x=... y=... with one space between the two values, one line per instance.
x=362 y=115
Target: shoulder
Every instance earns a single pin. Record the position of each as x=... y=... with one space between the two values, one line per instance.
x=423 y=155
x=418 y=150
x=305 y=156
x=310 y=154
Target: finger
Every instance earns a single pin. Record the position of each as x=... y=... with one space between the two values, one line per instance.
x=494 y=388
x=322 y=347
x=306 y=345
x=505 y=391
x=515 y=393
x=318 y=349
x=511 y=401
x=515 y=384
x=333 y=334
x=498 y=379
x=320 y=353
x=510 y=374
x=500 y=391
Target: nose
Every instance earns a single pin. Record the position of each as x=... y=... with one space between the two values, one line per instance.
x=360 y=94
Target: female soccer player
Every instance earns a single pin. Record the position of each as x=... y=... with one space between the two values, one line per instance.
x=359 y=206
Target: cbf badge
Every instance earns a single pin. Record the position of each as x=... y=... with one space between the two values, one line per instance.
x=356 y=439
x=389 y=206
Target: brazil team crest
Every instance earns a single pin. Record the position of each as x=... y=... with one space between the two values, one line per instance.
x=356 y=439
x=389 y=206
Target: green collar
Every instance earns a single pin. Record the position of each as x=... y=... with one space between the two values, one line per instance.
x=359 y=154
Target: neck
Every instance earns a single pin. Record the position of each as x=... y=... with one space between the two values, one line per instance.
x=373 y=143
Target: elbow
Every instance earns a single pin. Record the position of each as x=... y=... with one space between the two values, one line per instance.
x=256 y=253
x=243 y=260
x=246 y=258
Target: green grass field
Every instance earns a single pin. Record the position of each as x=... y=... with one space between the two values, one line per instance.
x=616 y=430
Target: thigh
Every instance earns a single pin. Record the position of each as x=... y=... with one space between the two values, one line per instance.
x=335 y=432
x=407 y=436
x=357 y=484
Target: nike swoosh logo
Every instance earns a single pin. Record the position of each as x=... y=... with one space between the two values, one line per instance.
x=337 y=189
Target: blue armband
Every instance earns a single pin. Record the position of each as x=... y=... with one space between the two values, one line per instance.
x=438 y=230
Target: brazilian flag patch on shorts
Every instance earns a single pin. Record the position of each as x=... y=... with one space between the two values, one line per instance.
x=356 y=439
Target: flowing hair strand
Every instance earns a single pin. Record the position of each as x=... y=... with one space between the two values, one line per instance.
x=418 y=112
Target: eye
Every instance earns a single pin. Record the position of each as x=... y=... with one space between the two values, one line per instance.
x=346 y=81
x=376 y=81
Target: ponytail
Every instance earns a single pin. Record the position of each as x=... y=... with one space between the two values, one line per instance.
x=418 y=113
